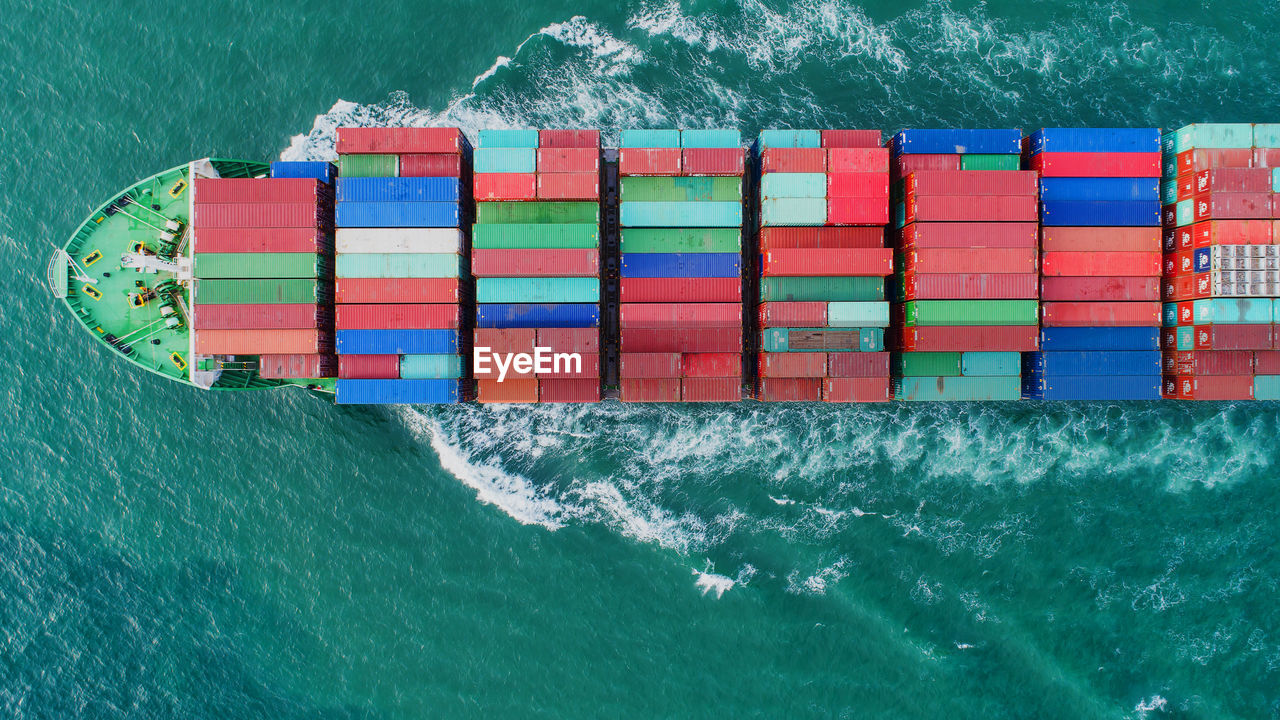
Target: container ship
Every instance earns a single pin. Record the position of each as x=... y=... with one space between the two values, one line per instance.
x=693 y=265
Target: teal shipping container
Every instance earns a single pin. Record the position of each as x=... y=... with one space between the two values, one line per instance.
x=793 y=211
x=857 y=314
x=710 y=138
x=790 y=139
x=957 y=388
x=793 y=185
x=538 y=290
x=681 y=214
x=990 y=364
x=1275 y=180
x=1169 y=191
x=1233 y=311
x=1186 y=337
x=430 y=367
x=821 y=289
x=398 y=265
x=505 y=160
x=636 y=138
x=1213 y=135
x=516 y=236
x=1186 y=212
x=1266 y=387
x=779 y=340
x=508 y=139
x=1266 y=135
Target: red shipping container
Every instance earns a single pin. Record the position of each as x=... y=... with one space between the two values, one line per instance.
x=1266 y=362
x=1266 y=158
x=782 y=238
x=505 y=186
x=858 y=364
x=289 y=341
x=1168 y=215
x=397 y=317
x=859 y=185
x=398 y=141
x=1169 y=339
x=650 y=390
x=979 y=208
x=258 y=215
x=1186 y=313
x=506 y=340
x=1100 y=314
x=1193 y=161
x=569 y=186
x=569 y=391
x=714 y=161
x=512 y=390
x=1102 y=264
x=582 y=340
x=431 y=165
x=1230 y=232
x=682 y=340
x=488 y=369
x=1086 y=164
x=708 y=365
x=858 y=211
x=711 y=389
x=972 y=286
x=649 y=161
x=847 y=390
x=261 y=240
x=1100 y=239
x=1186 y=187
x=681 y=315
x=280 y=367
x=975 y=338
x=971 y=235
x=1203 y=286
x=649 y=365
x=1184 y=238
x=1100 y=289
x=551 y=262
x=1216 y=387
x=255 y=317
x=973 y=182
x=794 y=365
x=858 y=160
x=369 y=367
x=692 y=290
x=963 y=260
x=1180 y=288
x=793 y=160
x=569 y=138
x=904 y=165
x=569 y=160
x=1231 y=180
x=858 y=262
x=790 y=390
x=1179 y=263
x=793 y=314
x=1213 y=362
x=853 y=139
x=396 y=290
x=1234 y=337
x=589 y=369
x=260 y=190
x=1233 y=206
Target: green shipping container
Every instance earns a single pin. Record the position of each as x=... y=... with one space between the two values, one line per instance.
x=430 y=367
x=681 y=189
x=972 y=312
x=990 y=364
x=990 y=162
x=258 y=292
x=1266 y=135
x=681 y=240
x=857 y=314
x=398 y=265
x=821 y=289
x=538 y=212
x=258 y=265
x=1266 y=387
x=368 y=165
x=957 y=388
x=1213 y=135
x=515 y=236
x=830 y=339
x=926 y=364
x=537 y=290
x=793 y=211
x=793 y=185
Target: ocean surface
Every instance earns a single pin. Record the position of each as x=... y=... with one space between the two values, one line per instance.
x=169 y=553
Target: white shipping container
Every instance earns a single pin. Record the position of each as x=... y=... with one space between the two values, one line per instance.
x=398 y=240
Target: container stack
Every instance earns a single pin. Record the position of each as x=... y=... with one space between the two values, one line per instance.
x=681 y=273
x=1100 y=264
x=401 y=264
x=536 y=257
x=824 y=205
x=263 y=262
x=966 y=292
x=1221 y=263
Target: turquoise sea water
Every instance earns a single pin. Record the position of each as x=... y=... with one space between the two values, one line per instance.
x=167 y=553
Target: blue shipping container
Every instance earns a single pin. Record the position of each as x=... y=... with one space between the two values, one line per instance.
x=636 y=138
x=397 y=342
x=508 y=139
x=525 y=315
x=1074 y=362
x=1202 y=260
x=710 y=138
x=949 y=142
x=790 y=139
x=681 y=265
x=394 y=214
x=1055 y=188
x=1100 y=213
x=1096 y=140
x=1093 y=387
x=398 y=189
x=316 y=170
x=1101 y=338
x=396 y=392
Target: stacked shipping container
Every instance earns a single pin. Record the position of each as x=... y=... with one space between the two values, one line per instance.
x=1222 y=266
x=966 y=289
x=401 y=264
x=824 y=205
x=680 y=314
x=1100 y=264
x=536 y=258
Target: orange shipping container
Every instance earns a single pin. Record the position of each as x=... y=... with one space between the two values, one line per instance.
x=510 y=391
x=262 y=342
